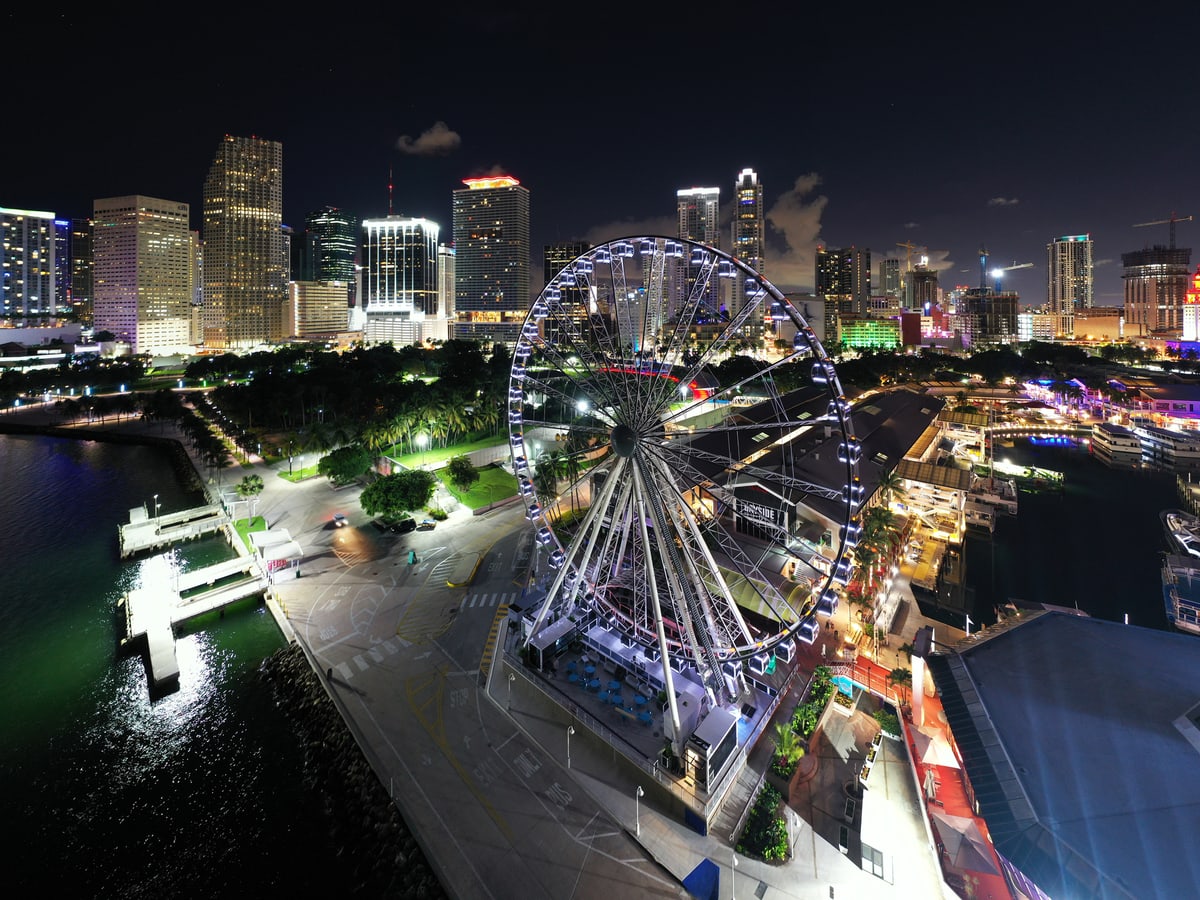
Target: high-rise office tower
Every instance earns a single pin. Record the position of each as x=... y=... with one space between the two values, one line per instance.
x=27 y=264
x=699 y=213
x=330 y=246
x=1156 y=284
x=1069 y=285
x=245 y=257
x=491 y=258
x=62 y=266
x=81 y=270
x=889 y=278
x=749 y=229
x=142 y=272
x=447 y=264
x=399 y=278
x=574 y=298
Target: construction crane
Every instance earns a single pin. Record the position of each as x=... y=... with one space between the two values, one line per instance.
x=910 y=246
x=1171 y=221
x=1002 y=271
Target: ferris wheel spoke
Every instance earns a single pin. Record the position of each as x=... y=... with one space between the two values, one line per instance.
x=623 y=337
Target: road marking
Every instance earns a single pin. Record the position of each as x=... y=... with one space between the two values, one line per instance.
x=344 y=670
x=362 y=664
x=376 y=655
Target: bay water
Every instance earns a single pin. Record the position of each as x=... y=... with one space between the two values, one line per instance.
x=106 y=791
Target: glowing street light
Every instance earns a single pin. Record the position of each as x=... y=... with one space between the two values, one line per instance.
x=570 y=731
x=511 y=679
x=637 y=820
x=732 y=877
x=422 y=442
x=156 y=506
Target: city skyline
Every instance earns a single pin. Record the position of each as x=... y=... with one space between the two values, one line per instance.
x=946 y=134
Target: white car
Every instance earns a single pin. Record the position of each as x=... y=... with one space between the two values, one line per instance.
x=339 y=520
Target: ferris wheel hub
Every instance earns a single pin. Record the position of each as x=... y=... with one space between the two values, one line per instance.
x=624 y=440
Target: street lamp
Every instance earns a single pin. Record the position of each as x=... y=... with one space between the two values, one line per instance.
x=422 y=442
x=156 y=507
x=637 y=820
x=732 y=877
x=570 y=731
x=511 y=679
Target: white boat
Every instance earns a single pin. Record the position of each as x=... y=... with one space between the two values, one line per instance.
x=1116 y=440
x=1166 y=443
x=1183 y=531
x=1181 y=592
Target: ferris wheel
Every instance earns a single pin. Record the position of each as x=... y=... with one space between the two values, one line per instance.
x=684 y=451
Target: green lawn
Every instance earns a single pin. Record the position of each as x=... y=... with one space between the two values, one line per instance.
x=244 y=527
x=436 y=457
x=494 y=484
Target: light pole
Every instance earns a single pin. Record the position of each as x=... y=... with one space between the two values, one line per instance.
x=511 y=679
x=156 y=507
x=422 y=442
x=570 y=731
x=637 y=819
x=733 y=877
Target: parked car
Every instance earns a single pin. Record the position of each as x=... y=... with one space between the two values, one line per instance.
x=403 y=526
x=427 y=525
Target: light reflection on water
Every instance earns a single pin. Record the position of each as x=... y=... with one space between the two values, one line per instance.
x=116 y=792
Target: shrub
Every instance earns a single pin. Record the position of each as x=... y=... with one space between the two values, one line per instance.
x=765 y=836
x=888 y=723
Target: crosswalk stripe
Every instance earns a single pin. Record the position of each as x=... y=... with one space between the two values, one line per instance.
x=376 y=655
x=343 y=670
x=390 y=647
x=362 y=664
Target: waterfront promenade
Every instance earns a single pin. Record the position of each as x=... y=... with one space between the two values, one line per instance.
x=477 y=764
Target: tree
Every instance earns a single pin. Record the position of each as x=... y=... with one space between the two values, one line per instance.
x=462 y=472
x=345 y=464
x=249 y=486
x=901 y=678
x=394 y=495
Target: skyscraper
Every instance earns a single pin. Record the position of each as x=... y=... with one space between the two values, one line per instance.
x=491 y=250
x=142 y=272
x=889 y=278
x=330 y=246
x=245 y=259
x=1069 y=286
x=699 y=213
x=749 y=229
x=27 y=264
x=400 y=279
x=81 y=270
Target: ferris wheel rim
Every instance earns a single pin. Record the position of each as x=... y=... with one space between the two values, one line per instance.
x=626 y=403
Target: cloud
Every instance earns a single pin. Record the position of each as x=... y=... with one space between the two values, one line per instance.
x=909 y=226
x=794 y=226
x=1003 y=201
x=437 y=140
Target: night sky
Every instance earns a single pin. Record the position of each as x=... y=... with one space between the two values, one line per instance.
x=871 y=129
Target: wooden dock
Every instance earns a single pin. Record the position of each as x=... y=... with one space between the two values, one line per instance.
x=146 y=532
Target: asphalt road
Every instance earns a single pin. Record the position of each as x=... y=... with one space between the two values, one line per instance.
x=496 y=814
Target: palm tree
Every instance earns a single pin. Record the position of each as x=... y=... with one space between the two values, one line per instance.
x=891 y=486
x=787 y=742
x=901 y=678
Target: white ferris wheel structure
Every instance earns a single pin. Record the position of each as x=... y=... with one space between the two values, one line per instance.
x=645 y=478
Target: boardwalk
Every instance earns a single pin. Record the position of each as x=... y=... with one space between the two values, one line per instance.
x=146 y=532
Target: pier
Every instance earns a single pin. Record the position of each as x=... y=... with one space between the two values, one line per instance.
x=146 y=532
x=154 y=609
